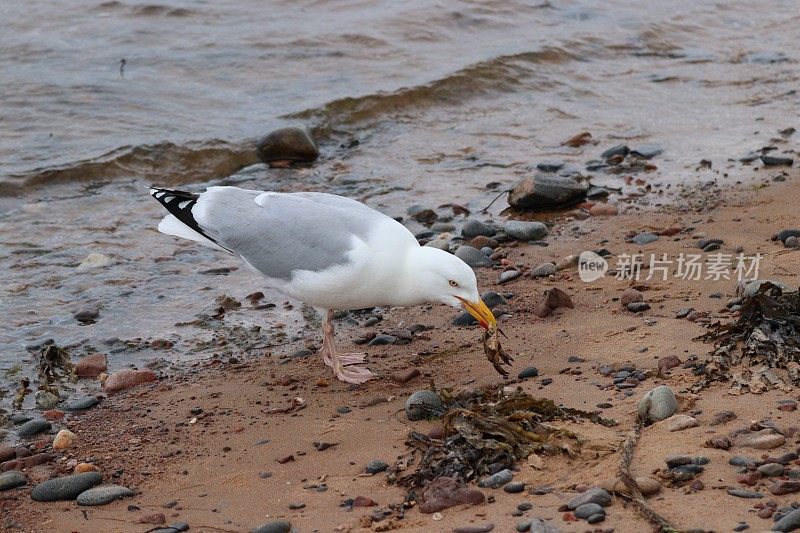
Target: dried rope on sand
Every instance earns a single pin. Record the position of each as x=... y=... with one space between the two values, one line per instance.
x=627 y=478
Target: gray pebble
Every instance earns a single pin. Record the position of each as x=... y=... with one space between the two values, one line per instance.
x=382 y=340
x=658 y=404
x=637 y=307
x=493 y=299
x=550 y=165
x=81 y=404
x=789 y=522
x=525 y=231
x=588 y=509
x=65 y=488
x=647 y=151
x=741 y=493
x=596 y=495
x=530 y=372
x=12 y=479
x=276 y=526
x=472 y=256
x=514 y=487
x=596 y=518
x=33 y=427
x=475 y=228
x=103 y=494
x=771 y=470
x=465 y=319
x=495 y=481
x=508 y=275
x=644 y=238
x=376 y=466
x=423 y=404
x=543 y=270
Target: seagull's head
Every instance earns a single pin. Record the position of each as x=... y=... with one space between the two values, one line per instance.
x=443 y=277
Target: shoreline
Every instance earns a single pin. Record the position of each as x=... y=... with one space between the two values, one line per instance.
x=224 y=477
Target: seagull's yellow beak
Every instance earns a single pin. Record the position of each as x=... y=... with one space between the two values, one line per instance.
x=481 y=313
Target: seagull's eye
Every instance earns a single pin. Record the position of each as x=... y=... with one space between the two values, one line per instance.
x=453 y=283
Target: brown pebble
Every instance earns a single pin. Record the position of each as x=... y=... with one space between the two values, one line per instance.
x=155 y=519
x=363 y=501
x=286 y=459
x=85 y=467
x=92 y=365
x=404 y=376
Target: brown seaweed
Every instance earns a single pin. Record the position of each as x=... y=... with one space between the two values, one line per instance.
x=761 y=349
x=485 y=431
x=494 y=352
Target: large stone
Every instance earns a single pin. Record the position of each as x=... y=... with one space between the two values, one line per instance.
x=658 y=404
x=525 y=231
x=766 y=439
x=423 y=404
x=92 y=366
x=473 y=257
x=63 y=440
x=33 y=427
x=65 y=488
x=287 y=144
x=126 y=379
x=103 y=494
x=789 y=522
x=12 y=479
x=647 y=486
x=546 y=192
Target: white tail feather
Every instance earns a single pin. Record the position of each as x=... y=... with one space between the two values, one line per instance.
x=172 y=226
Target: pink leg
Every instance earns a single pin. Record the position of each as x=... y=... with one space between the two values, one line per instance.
x=341 y=364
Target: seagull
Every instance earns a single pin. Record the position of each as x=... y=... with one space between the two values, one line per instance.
x=328 y=251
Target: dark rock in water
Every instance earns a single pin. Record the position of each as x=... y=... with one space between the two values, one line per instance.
x=423 y=404
x=33 y=427
x=597 y=192
x=445 y=492
x=525 y=231
x=287 y=144
x=103 y=494
x=473 y=257
x=376 y=466
x=785 y=234
x=474 y=228
x=495 y=481
x=595 y=164
x=12 y=479
x=550 y=166
x=87 y=313
x=614 y=151
x=774 y=161
x=65 y=488
x=647 y=151
x=38 y=345
x=276 y=526
x=546 y=192
x=530 y=372
x=465 y=319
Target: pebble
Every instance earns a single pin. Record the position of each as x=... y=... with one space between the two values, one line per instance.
x=792 y=242
x=638 y=307
x=514 y=487
x=508 y=275
x=647 y=486
x=603 y=210
x=92 y=365
x=789 y=522
x=103 y=495
x=529 y=372
x=423 y=404
x=595 y=495
x=33 y=427
x=524 y=506
x=474 y=228
x=93 y=261
x=550 y=165
x=784 y=486
x=766 y=439
x=544 y=191
x=588 y=509
x=680 y=422
x=12 y=479
x=630 y=296
x=741 y=493
x=126 y=379
x=644 y=238
x=85 y=467
x=658 y=404
x=668 y=363
x=771 y=470
x=495 y=481
x=81 y=404
x=65 y=488
x=276 y=526
x=46 y=400
x=445 y=492
x=287 y=144
x=525 y=231
x=722 y=417
x=296 y=505
x=404 y=376
x=773 y=161
x=485 y=528
x=614 y=151
x=376 y=466
x=63 y=440
x=493 y=299
x=537 y=525
x=647 y=151
x=382 y=340
x=87 y=313
x=544 y=270
x=473 y=257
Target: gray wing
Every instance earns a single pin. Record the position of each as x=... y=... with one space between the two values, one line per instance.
x=278 y=233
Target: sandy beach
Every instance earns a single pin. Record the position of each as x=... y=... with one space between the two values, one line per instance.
x=219 y=447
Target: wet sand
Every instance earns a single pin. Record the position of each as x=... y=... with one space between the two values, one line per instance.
x=221 y=467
